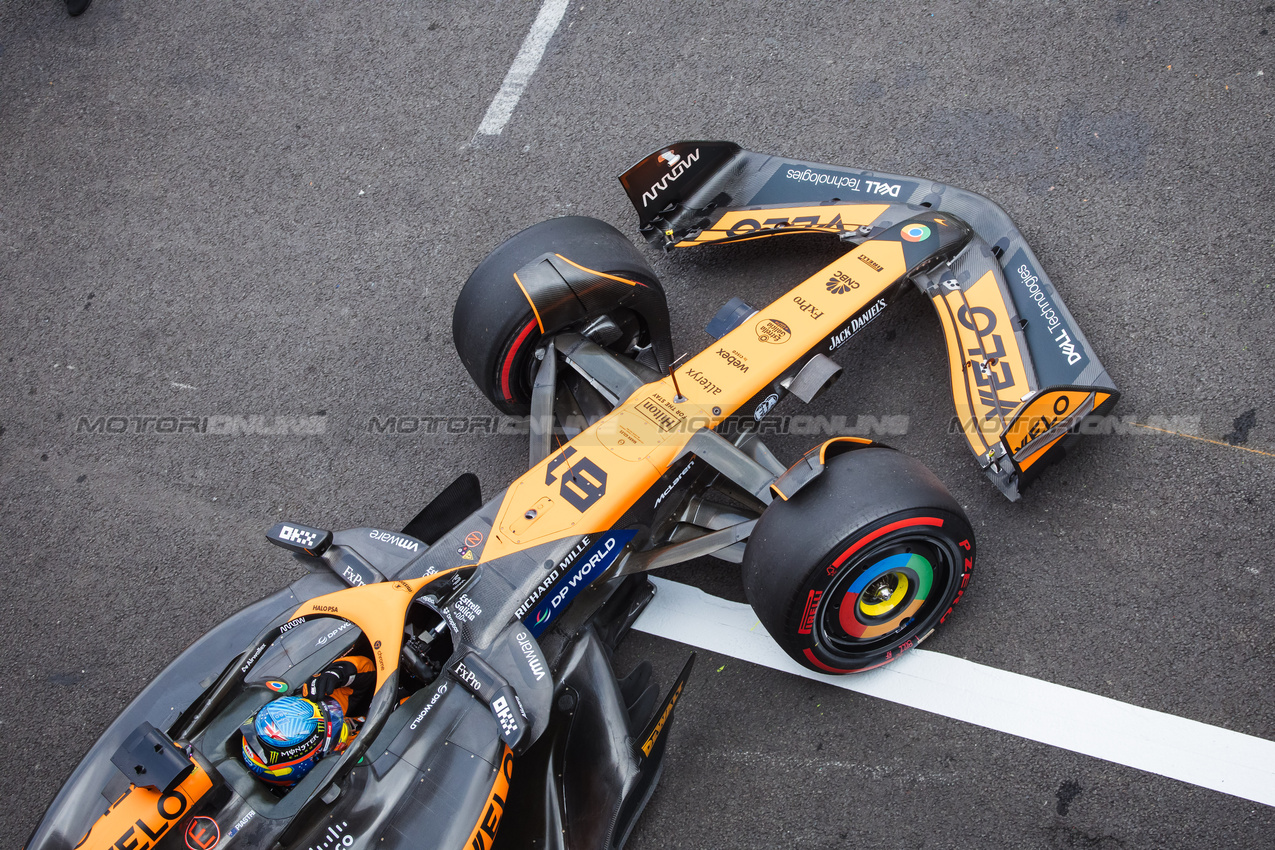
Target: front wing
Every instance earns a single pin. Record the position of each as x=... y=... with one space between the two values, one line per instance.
x=1023 y=375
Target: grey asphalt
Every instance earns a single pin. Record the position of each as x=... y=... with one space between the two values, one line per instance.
x=216 y=209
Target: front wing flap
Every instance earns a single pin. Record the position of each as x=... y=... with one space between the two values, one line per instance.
x=1023 y=375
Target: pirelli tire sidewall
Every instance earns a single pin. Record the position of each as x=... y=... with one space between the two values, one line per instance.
x=872 y=512
x=494 y=328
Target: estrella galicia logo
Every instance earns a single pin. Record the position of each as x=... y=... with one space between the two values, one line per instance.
x=587 y=568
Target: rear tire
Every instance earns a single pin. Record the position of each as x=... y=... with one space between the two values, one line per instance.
x=861 y=564
x=493 y=326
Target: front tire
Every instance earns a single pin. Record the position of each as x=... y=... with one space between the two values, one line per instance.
x=493 y=326
x=861 y=564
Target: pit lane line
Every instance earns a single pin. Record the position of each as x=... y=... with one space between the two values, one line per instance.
x=1207 y=756
x=525 y=64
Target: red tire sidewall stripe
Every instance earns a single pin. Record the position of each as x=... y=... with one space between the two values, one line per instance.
x=507 y=369
x=880 y=532
x=933 y=522
x=810 y=656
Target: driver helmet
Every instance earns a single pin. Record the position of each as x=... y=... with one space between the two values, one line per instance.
x=288 y=736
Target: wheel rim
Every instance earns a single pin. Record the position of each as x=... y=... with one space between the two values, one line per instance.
x=884 y=593
x=516 y=367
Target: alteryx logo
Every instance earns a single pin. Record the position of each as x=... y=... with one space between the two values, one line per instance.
x=587 y=567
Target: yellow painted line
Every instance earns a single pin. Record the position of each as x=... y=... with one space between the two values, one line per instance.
x=1203 y=439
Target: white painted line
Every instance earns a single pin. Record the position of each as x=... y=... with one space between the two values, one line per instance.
x=525 y=64
x=1203 y=755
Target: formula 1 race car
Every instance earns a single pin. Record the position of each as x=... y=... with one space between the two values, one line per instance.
x=491 y=626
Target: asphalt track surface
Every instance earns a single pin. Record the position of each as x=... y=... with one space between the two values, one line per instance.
x=213 y=209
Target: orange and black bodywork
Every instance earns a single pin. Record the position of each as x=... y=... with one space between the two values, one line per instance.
x=477 y=730
x=496 y=717
x=1023 y=375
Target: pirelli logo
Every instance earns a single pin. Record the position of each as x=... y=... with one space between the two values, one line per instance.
x=808 y=615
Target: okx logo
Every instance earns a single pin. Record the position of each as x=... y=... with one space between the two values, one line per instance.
x=296 y=535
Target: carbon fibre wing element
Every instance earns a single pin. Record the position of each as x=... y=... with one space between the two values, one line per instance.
x=1023 y=375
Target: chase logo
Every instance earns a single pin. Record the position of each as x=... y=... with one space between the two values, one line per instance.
x=296 y=535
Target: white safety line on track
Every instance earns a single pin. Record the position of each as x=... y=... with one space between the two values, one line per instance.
x=525 y=64
x=1208 y=756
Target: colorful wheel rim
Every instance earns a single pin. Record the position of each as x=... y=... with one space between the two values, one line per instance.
x=891 y=589
x=884 y=592
x=886 y=595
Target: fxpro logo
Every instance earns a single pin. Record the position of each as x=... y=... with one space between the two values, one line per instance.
x=679 y=166
x=467 y=677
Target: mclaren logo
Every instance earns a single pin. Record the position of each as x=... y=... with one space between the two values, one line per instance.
x=678 y=165
x=676 y=481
